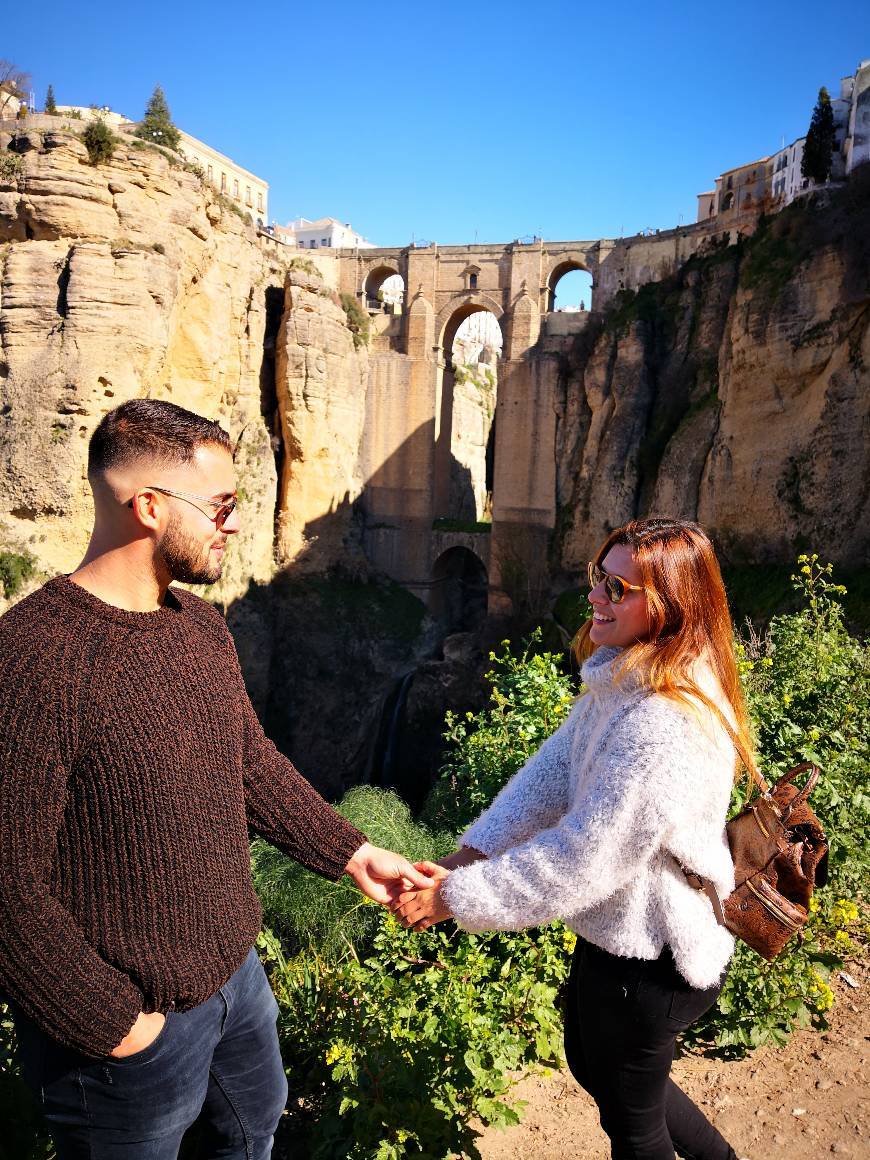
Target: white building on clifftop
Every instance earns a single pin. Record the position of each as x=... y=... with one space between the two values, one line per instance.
x=249 y=192
x=772 y=182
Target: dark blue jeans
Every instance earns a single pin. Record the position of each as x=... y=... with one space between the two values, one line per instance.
x=220 y=1060
x=622 y=1019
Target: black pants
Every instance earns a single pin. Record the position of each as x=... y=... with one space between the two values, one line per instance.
x=622 y=1018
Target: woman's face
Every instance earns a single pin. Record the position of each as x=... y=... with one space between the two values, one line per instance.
x=619 y=625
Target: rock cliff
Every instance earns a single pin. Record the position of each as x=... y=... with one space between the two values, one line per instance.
x=734 y=393
x=127 y=279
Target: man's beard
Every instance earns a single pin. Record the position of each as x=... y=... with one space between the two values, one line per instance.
x=182 y=557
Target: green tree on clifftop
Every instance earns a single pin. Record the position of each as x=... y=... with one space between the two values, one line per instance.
x=50 y=104
x=157 y=125
x=816 y=161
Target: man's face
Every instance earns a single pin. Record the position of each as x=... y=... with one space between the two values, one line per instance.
x=191 y=548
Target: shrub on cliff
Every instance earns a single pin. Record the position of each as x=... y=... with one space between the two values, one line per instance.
x=100 y=142
x=156 y=126
x=357 y=320
x=16 y=568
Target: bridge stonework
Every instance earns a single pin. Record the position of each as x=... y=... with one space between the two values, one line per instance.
x=407 y=443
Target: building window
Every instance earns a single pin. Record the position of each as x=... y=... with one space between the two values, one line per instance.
x=324 y=241
x=235 y=188
x=211 y=173
x=248 y=200
x=260 y=202
x=472 y=282
x=312 y=245
x=223 y=183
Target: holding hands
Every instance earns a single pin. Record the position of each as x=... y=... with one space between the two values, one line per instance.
x=422 y=907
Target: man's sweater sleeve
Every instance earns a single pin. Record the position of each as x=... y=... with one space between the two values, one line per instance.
x=47 y=966
x=285 y=808
x=535 y=797
x=594 y=850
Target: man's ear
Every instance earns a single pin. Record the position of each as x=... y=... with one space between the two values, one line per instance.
x=146 y=506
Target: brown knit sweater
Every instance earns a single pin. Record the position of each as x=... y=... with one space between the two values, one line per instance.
x=131 y=765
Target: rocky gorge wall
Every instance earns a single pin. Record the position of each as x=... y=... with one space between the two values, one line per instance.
x=123 y=280
x=134 y=278
x=736 y=393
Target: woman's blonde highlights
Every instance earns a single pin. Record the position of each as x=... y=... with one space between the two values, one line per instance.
x=688 y=615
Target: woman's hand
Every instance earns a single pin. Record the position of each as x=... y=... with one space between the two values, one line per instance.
x=420 y=909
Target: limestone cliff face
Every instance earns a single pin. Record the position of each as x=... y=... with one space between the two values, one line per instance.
x=127 y=279
x=735 y=393
x=322 y=381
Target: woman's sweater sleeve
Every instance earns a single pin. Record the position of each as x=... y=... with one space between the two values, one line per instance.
x=534 y=798
x=591 y=852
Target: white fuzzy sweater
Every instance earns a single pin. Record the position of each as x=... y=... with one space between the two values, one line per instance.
x=591 y=828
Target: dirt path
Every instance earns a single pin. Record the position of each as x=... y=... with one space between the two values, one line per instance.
x=804 y=1101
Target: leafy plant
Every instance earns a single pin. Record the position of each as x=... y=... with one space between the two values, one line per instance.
x=357 y=320
x=24 y=1134
x=531 y=697
x=50 y=104
x=306 y=909
x=11 y=168
x=100 y=141
x=16 y=568
x=807 y=683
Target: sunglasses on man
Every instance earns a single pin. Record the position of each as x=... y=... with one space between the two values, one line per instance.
x=224 y=507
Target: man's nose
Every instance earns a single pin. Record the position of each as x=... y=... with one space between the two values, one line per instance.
x=232 y=523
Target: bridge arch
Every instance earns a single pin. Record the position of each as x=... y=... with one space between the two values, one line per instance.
x=459 y=589
x=455 y=313
x=560 y=271
x=466 y=392
x=374 y=279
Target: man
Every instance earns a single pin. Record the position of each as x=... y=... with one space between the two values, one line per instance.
x=131 y=766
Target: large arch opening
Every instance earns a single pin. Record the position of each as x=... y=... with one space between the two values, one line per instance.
x=570 y=288
x=459 y=590
x=384 y=290
x=465 y=435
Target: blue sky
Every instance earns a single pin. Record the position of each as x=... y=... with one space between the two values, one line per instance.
x=461 y=122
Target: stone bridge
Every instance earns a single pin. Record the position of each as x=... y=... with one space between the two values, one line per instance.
x=413 y=430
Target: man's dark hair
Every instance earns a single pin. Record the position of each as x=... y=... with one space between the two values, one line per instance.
x=150 y=429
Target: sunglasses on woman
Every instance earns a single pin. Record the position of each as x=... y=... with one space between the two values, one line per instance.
x=615 y=586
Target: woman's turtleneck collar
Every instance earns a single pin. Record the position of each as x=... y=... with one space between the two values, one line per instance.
x=604 y=671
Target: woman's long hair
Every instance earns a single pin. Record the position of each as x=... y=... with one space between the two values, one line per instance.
x=689 y=617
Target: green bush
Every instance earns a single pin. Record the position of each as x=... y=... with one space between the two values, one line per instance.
x=16 y=568
x=305 y=909
x=807 y=683
x=531 y=697
x=407 y=1036
x=11 y=168
x=357 y=320
x=100 y=142
x=400 y=1039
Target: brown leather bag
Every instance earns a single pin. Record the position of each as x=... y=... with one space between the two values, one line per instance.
x=780 y=854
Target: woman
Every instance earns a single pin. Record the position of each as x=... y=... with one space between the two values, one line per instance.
x=597 y=827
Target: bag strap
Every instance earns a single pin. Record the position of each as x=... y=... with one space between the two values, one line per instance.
x=743 y=753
